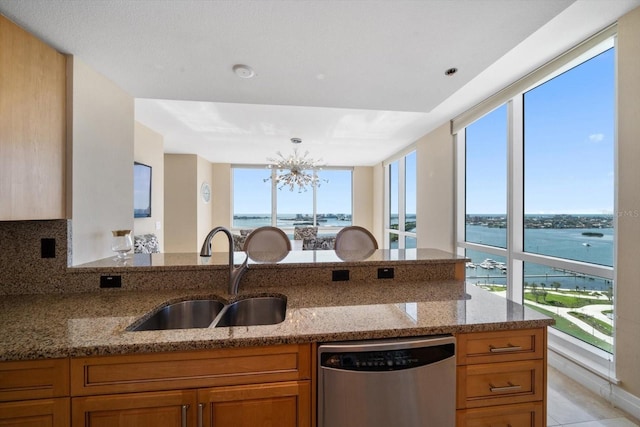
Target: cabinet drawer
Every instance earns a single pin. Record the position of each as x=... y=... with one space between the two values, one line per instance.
x=501 y=346
x=34 y=379
x=167 y=371
x=36 y=413
x=520 y=415
x=500 y=383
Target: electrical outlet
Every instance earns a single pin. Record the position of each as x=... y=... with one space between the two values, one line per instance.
x=47 y=248
x=340 y=275
x=385 y=273
x=110 y=281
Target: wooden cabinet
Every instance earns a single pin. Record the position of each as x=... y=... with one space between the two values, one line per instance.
x=32 y=127
x=163 y=408
x=265 y=386
x=501 y=378
x=285 y=404
x=35 y=393
x=35 y=413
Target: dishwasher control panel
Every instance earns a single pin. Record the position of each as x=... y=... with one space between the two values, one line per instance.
x=390 y=360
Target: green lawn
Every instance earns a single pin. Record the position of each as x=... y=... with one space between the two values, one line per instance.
x=567 y=301
x=572 y=329
x=598 y=324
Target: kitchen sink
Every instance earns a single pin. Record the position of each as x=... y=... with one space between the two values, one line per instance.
x=202 y=313
x=254 y=311
x=198 y=313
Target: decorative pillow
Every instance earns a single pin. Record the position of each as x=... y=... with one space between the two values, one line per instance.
x=301 y=233
x=319 y=243
x=238 y=242
x=146 y=244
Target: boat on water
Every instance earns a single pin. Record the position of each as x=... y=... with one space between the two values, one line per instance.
x=488 y=264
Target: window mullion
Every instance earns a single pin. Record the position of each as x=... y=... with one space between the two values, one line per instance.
x=402 y=218
x=274 y=199
x=460 y=200
x=515 y=199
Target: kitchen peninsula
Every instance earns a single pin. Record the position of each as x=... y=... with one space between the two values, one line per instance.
x=80 y=340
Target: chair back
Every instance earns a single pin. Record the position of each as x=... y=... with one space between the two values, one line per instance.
x=267 y=244
x=355 y=238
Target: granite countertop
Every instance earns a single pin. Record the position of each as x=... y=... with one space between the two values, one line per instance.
x=306 y=259
x=84 y=324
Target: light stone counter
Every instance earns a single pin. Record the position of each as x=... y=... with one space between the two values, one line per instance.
x=306 y=259
x=81 y=324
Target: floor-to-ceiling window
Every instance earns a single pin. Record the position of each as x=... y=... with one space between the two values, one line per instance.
x=537 y=175
x=259 y=201
x=400 y=221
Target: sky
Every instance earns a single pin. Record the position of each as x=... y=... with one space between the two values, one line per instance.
x=569 y=152
x=252 y=195
x=569 y=146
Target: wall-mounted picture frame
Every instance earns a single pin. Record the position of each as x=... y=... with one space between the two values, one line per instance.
x=141 y=190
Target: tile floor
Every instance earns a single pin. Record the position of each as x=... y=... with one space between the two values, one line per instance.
x=571 y=405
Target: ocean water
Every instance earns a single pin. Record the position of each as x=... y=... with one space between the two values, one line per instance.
x=562 y=243
x=289 y=220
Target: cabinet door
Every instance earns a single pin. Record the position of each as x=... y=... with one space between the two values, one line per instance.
x=32 y=127
x=167 y=408
x=521 y=415
x=286 y=404
x=35 y=413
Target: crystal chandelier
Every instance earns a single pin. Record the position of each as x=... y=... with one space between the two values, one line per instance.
x=295 y=170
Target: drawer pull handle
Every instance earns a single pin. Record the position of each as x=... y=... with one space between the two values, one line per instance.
x=184 y=415
x=510 y=387
x=505 y=349
x=200 y=406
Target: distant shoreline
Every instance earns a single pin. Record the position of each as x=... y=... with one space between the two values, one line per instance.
x=545 y=221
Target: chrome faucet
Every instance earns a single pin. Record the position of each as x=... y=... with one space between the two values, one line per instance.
x=235 y=273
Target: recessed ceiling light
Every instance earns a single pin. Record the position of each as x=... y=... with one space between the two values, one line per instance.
x=451 y=71
x=296 y=140
x=243 y=71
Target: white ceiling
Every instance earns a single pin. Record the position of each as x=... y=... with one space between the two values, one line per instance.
x=357 y=80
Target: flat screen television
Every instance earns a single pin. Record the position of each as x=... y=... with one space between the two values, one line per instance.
x=141 y=190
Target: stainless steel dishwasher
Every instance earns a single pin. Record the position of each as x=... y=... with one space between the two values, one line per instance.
x=398 y=382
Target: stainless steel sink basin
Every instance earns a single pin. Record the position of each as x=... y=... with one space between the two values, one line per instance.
x=202 y=313
x=254 y=311
x=183 y=315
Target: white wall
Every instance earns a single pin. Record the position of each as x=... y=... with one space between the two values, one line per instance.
x=221 y=202
x=628 y=205
x=149 y=149
x=180 y=203
x=204 y=173
x=101 y=129
x=188 y=218
x=436 y=195
x=377 y=206
x=363 y=197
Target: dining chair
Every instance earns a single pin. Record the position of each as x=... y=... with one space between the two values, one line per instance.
x=355 y=238
x=267 y=244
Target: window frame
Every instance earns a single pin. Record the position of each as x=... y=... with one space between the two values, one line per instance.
x=271 y=172
x=597 y=360
x=402 y=206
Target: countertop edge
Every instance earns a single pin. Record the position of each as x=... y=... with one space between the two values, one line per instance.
x=128 y=349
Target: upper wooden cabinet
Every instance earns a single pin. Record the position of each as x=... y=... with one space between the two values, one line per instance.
x=32 y=127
